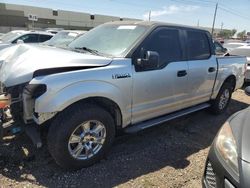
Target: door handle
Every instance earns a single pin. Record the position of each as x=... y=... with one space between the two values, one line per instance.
x=182 y=73
x=211 y=69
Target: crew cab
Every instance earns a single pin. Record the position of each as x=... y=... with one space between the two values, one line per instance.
x=119 y=76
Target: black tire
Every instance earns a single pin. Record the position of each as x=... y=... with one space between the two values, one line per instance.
x=65 y=124
x=215 y=104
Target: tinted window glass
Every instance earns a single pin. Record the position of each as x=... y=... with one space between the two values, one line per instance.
x=166 y=42
x=197 y=45
x=29 y=38
x=44 y=38
x=217 y=45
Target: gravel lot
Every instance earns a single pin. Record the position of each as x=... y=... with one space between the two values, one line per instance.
x=170 y=155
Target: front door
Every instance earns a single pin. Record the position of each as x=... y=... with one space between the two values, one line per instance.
x=155 y=91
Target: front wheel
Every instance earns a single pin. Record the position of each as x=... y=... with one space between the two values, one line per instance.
x=80 y=136
x=220 y=104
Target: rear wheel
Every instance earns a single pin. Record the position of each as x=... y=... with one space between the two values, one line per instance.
x=80 y=136
x=220 y=104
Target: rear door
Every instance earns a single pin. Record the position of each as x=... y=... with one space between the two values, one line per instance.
x=155 y=91
x=202 y=65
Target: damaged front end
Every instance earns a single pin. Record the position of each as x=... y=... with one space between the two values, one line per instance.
x=19 y=101
x=22 y=101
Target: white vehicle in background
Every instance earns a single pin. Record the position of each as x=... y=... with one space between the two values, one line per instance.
x=232 y=45
x=1 y=34
x=63 y=38
x=244 y=51
x=21 y=36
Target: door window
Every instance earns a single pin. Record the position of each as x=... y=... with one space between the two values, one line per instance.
x=44 y=38
x=198 y=45
x=166 y=43
x=28 y=38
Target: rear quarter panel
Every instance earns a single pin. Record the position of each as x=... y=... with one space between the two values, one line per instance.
x=227 y=66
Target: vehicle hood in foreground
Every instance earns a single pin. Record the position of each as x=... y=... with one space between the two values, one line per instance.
x=240 y=124
x=20 y=62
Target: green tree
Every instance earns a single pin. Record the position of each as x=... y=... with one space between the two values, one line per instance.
x=241 y=34
x=225 y=33
x=234 y=31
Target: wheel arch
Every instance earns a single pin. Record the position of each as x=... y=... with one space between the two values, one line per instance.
x=232 y=80
x=229 y=79
x=108 y=105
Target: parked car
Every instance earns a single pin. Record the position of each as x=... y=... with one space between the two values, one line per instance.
x=63 y=38
x=119 y=76
x=232 y=45
x=219 y=49
x=1 y=34
x=228 y=162
x=244 y=51
x=21 y=36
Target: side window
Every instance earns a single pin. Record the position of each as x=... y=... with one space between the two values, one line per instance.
x=43 y=38
x=197 y=45
x=29 y=38
x=166 y=42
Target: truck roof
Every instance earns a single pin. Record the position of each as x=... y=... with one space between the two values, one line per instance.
x=153 y=24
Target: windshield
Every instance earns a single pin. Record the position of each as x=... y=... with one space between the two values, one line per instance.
x=241 y=52
x=8 y=37
x=62 y=38
x=112 y=40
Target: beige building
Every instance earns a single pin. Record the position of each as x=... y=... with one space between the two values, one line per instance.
x=19 y=17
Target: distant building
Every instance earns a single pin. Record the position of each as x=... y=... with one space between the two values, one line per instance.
x=26 y=17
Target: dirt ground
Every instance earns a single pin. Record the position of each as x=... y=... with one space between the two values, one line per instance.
x=170 y=155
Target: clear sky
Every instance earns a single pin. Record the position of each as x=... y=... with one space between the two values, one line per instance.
x=231 y=13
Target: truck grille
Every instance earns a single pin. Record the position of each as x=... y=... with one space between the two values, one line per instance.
x=210 y=175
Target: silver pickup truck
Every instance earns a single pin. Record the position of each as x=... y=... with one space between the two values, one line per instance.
x=119 y=76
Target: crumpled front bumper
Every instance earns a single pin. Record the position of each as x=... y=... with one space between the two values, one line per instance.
x=5 y=101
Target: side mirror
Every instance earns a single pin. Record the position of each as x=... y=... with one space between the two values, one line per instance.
x=151 y=61
x=19 y=41
x=247 y=90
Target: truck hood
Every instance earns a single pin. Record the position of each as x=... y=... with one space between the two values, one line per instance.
x=19 y=63
x=240 y=124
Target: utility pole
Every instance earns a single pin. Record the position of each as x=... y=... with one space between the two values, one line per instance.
x=221 y=27
x=215 y=13
x=149 y=15
x=198 y=23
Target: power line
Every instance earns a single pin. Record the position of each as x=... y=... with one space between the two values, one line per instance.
x=234 y=13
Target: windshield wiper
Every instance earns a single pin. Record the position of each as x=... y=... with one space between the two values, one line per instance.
x=95 y=52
